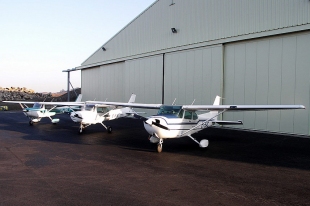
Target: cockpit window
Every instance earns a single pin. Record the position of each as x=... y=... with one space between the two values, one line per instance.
x=195 y=116
x=174 y=110
x=180 y=115
x=89 y=107
x=102 y=109
x=36 y=106
x=188 y=115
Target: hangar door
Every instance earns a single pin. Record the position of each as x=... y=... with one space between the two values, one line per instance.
x=193 y=74
x=269 y=71
x=104 y=82
x=143 y=77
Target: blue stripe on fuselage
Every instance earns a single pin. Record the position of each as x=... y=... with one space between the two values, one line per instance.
x=170 y=116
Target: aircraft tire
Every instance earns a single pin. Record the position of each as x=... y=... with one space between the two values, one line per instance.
x=30 y=123
x=109 y=129
x=80 y=131
x=159 y=148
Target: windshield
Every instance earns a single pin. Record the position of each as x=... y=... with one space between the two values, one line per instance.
x=174 y=110
x=89 y=107
x=36 y=106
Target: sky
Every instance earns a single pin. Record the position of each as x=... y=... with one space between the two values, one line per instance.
x=41 y=38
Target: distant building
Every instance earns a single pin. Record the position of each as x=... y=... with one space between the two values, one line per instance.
x=249 y=52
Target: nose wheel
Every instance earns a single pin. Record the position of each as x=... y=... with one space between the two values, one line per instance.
x=160 y=146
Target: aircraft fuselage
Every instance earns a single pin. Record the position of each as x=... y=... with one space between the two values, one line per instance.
x=166 y=127
x=37 y=113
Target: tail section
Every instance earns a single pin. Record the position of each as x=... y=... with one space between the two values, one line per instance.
x=123 y=112
x=132 y=98
x=212 y=114
x=217 y=100
x=79 y=98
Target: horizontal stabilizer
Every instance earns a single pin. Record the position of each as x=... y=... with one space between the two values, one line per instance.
x=228 y=122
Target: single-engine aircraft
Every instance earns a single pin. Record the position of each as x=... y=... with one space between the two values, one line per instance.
x=174 y=121
x=38 y=110
x=92 y=113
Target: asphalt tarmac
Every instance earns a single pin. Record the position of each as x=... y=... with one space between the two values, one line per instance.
x=48 y=164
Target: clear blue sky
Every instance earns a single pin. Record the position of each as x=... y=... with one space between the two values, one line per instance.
x=40 y=38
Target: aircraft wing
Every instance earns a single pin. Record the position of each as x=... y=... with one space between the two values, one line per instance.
x=122 y=104
x=49 y=103
x=240 y=107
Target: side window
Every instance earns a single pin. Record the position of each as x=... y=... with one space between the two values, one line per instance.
x=195 y=116
x=180 y=115
x=188 y=115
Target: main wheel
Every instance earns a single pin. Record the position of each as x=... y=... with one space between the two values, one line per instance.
x=109 y=129
x=30 y=122
x=80 y=130
x=159 y=148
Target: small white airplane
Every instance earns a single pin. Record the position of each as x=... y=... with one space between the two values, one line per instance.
x=92 y=113
x=173 y=121
x=39 y=111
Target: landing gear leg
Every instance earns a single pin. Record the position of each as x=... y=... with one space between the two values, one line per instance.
x=160 y=146
x=81 y=129
x=108 y=128
x=203 y=143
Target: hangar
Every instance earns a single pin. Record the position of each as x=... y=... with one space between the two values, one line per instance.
x=248 y=52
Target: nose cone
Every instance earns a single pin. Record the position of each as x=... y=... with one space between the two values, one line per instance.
x=76 y=117
x=148 y=126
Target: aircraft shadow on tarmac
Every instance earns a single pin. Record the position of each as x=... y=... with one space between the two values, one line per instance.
x=232 y=145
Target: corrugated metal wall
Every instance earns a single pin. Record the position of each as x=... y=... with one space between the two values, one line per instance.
x=200 y=21
x=269 y=71
x=144 y=78
x=104 y=82
x=118 y=81
x=193 y=74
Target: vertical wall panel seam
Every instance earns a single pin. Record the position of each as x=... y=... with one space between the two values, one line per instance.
x=295 y=83
x=255 y=82
x=268 y=69
x=281 y=81
x=163 y=81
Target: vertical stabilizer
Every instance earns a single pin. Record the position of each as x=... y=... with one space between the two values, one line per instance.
x=212 y=114
x=79 y=98
x=132 y=98
x=217 y=100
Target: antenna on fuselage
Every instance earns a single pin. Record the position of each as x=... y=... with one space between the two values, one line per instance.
x=174 y=101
